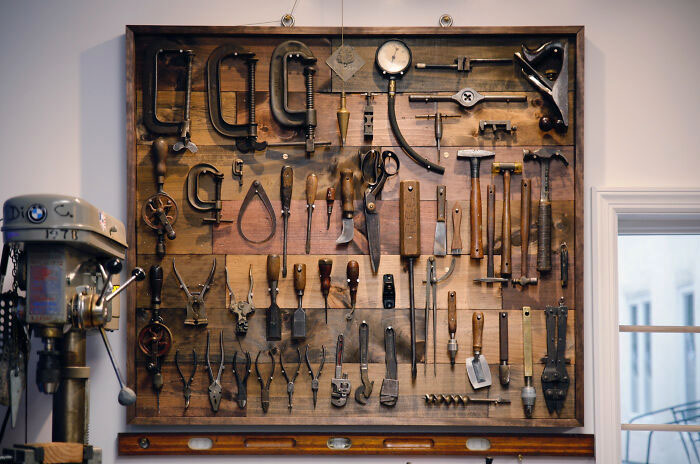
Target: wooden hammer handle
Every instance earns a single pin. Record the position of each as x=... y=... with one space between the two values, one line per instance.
x=525 y=190
x=505 y=233
x=476 y=250
x=544 y=236
x=477 y=330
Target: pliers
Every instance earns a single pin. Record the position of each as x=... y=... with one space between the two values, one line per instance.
x=186 y=384
x=290 y=381
x=265 y=389
x=242 y=380
x=215 y=385
x=314 y=378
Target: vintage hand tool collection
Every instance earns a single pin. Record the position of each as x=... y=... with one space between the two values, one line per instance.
x=338 y=276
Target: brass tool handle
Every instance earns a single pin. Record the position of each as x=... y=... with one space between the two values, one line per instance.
x=457 y=228
x=527 y=342
x=490 y=227
x=476 y=242
x=477 y=330
x=544 y=236
x=324 y=268
x=441 y=202
x=311 y=186
x=155 y=276
x=505 y=233
x=299 y=278
x=525 y=191
x=347 y=191
x=503 y=335
x=159 y=155
x=286 y=184
x=452 y=313
x=273 y=268
x=409 y=218
x=353 y=275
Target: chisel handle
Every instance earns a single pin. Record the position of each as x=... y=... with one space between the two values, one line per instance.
x=159 y=155
x=490 y=228
x=353 y=276
x=457 y=228
x=452 y=313
x=505 y=233
x=311 y=187
x=476 y=250
x=324 y=269
x=503 y=335
x=273 y=268
x=544 y=236
x=299 y=278
x=477 y=330
x=155 y=277
x=525 y=191
x=347 y=191
x=286 y=184
x=409 y=218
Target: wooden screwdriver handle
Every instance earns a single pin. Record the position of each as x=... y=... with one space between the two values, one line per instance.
x=457 y=228
x=347 y=191
x=477 y=330
x=525 y=190
x=505 y=233
x=159 y=155
x=490 y=227
x=353 y=276
x=324 y=270
x=409 y=218
x=273 y=268
x=286 y=184
x=476 y=238
x=452 y=313
x=299 y=277
x=311 y=187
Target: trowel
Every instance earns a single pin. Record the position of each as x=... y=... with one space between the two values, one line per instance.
x=477 y=367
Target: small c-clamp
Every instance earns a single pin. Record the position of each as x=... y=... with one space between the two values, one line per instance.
x=196 y=310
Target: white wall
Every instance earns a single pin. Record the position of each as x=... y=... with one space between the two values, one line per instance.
x=62 y=88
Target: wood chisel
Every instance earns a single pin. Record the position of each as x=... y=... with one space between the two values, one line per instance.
x=440 y=244
x=286 y=183
x=299 y=315
x=528 y=394
x=274 y=317
x=311 y=186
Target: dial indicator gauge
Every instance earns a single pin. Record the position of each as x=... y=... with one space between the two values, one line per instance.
x=393 y=58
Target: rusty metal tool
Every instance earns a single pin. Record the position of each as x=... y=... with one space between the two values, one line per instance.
x=237 y=170
x=507 y=169
x=503 y=367
x=315 y=378
x=279 y=91
x=215 y=388
x=265 y=386
x=160 y=209
x=196 y=313
x=245 y=135
x=388 y=291
x=161 y=51
x=186 y=384
x=194 y=180
x=347 y=191
x=340 y=384
x=299 y=315
x=452 y=346
x=467 y=98
x=556 y=90
x=311 y=186
x=352 y=273
x=525 y=190
x=409 y=247
x=464 y=63
x=555 y=379
x=368 y=117
x=475 y=239
x=363 y=392
x=325 y=266
x=456 y=246
x=330 y=199
x=286 y=184
x=376 y=168
x=241 y=309
x=433 y=399
x=564 y=264
x=438 y=117
x=495 y=126
x=477 y=367
x=490 y=238
x=290 y=378
x=440 y=243
x=430 y=294
x=527 y=394
x=256 y=189
x=544 y=217
x=241 y=379
x=389 y=393
x=273 y=322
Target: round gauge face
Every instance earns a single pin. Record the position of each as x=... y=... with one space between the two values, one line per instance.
x=393 y=57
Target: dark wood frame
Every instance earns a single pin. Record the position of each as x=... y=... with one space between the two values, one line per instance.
x=577 y=31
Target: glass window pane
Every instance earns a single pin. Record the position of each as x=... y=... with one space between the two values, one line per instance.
x=659 y=378
x=659 y=279
x=659 y=447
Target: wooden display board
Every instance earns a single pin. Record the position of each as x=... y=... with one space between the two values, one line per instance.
x=197 y=244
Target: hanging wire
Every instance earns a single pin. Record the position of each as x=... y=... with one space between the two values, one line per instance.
x=276 y=21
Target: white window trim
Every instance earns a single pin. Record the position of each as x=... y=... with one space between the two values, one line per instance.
x=609 y=206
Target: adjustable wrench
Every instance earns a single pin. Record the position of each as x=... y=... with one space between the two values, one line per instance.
x=339 y=383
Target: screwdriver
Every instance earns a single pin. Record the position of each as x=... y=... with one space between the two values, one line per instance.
x=299 y=315
x=330 y=198
x=311 y=185
x=324 y=270
x=409 y=244
x=353 y=276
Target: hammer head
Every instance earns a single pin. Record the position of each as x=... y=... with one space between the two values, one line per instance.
x=515 y=168
x=474 y=157
x=544 y=154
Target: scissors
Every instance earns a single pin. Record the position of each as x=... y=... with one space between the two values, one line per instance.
x=376 y=168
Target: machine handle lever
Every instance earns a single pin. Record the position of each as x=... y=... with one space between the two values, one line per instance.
x=127 y=396
x=136 y=275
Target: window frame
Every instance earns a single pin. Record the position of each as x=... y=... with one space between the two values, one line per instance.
x=636 y=210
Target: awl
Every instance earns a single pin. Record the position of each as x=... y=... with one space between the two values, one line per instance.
x=286 y=182
x=347 y=191
x=477 y=367
x=440 y=244
x=311 y=186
